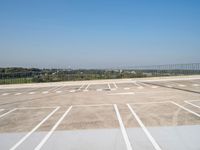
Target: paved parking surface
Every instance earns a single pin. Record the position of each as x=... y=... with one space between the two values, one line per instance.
x=133 y=114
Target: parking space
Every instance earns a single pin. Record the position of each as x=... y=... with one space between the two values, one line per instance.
x=99 y=87
x=23 y=121
x=164 y=121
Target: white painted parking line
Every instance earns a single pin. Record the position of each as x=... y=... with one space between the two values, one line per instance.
x=150 y=137
x=196 y=114
x=151 y=86
x=33 y=130
x=99 y=90
x=92 y=105
x=195 y=85
x=109 y=86
x=45 y=92
x=123 y=130
x=192 y=104
x=44 y=140
x=31 y=93
x=115 y=85
x=181 y=85
x=169 y=86
x=72 y=91
x=113 y=89
x=127 y=93
x=5 y=94
x=147 y=103
x=17 y=94
x=7 y=113
x=126 y=88
x=81 y=87
x=37 y=107
x=86 y=88
x=138 y=86
x=59 y=88
x=58 y=92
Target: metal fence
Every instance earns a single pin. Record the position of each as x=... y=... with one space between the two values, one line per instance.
x=192 y=66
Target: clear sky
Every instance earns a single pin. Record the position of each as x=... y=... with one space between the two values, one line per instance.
x=98 y=33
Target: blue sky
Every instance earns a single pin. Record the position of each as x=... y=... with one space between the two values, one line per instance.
x=98 y=33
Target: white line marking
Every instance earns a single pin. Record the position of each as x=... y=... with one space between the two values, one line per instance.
x=81 y=87
x=98 y=90
x=45 y=92
x=8 y=112
x=123 y=130
x=59 y=88
x=126 y=88
x=192 y=104
x=86 y=88
x=115 y=85
x=37 y=107
x=152 y=140
x=138 y=86
x=31 y=93
x=4 y=94
x=169 y=86
x=109 y=86
x=58 y=92
x=196 y=114
x=72 y=91
x=195 y=85
x=18 y=94
x=144 y=103
x=44 y=140
x=181 y=85
x=128 y=93
x=92 y=105
x=33 y=130
x=154 y=87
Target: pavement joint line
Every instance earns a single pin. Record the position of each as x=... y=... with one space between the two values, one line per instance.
x=44 y=140
x=33 y=130
x=192 y=112
x=150 y=137
x=123 y=130
x=146 y=103
x=92 y=105
x=12 y=110
x=192 y=104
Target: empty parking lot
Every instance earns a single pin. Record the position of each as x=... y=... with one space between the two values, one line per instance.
x=133 y=114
